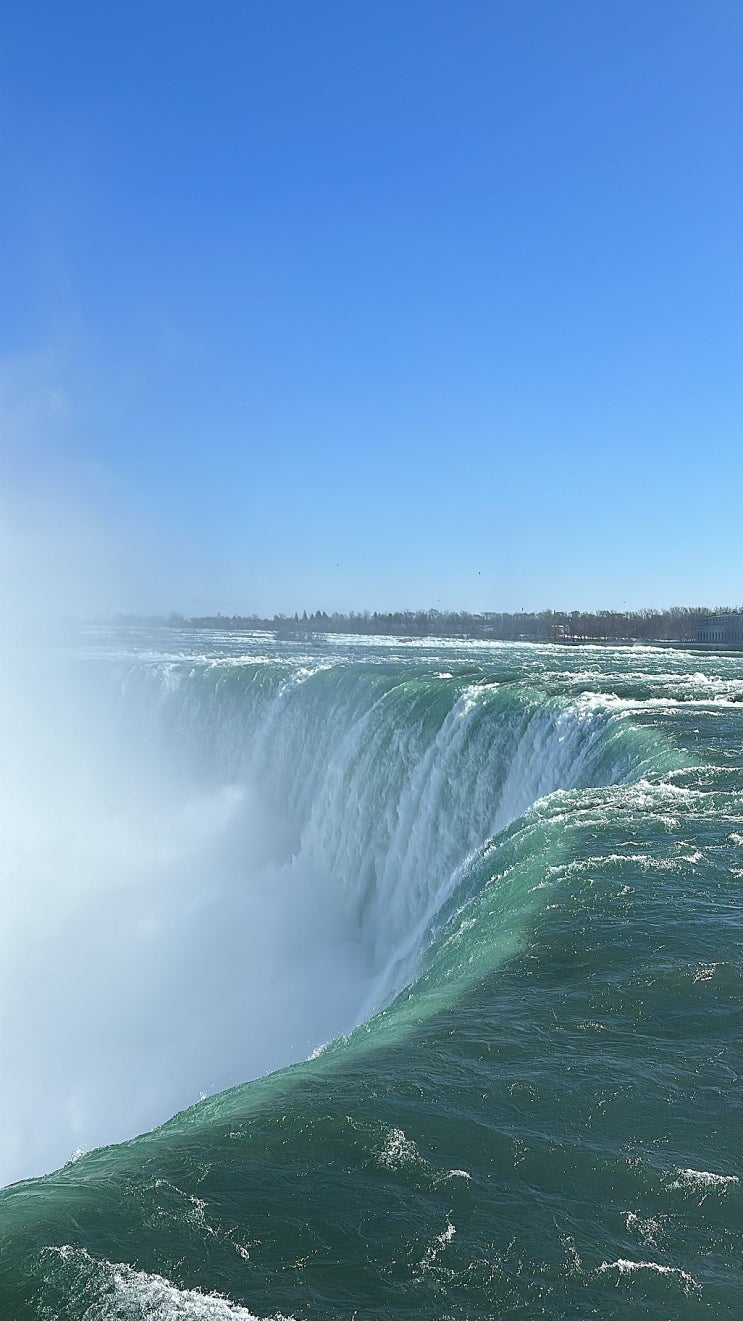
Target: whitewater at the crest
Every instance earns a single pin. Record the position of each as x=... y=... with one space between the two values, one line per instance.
x=478 y=897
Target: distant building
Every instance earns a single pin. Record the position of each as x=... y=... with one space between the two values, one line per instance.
x=726 y=630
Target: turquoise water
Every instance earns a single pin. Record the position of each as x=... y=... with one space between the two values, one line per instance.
x=511 y=875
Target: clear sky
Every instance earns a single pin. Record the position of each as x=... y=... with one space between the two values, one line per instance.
x=334 y=304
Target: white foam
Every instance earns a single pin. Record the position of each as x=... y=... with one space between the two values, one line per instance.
x=399 y=1150
x=649 y=1229
x=434 y=1249
x=125 y=1293
x=626 y=1267
x=704 y=1180
x=705 y=972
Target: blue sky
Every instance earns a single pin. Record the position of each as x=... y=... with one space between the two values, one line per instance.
x=323 y=305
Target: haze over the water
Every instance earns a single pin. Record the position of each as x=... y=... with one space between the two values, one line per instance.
x=370 y=306
x=382 y=305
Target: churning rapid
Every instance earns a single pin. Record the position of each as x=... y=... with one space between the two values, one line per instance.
x=467 y=915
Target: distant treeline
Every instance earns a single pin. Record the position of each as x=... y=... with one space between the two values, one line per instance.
x=678 y=624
